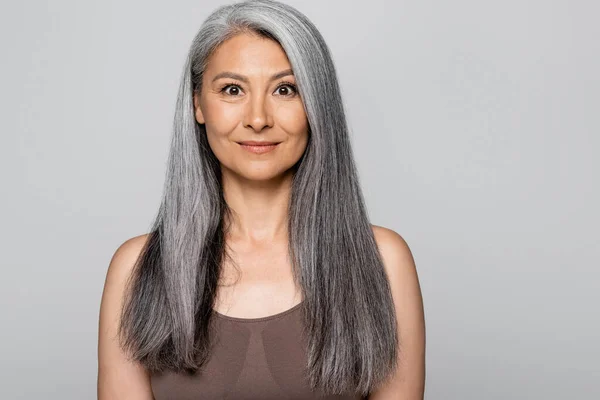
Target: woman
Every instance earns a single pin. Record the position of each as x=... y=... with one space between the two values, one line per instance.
x=262 y=276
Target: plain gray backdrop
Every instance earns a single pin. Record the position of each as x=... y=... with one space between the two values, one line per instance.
x=475 y=126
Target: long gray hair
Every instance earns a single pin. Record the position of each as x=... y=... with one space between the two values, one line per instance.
x=347 y=310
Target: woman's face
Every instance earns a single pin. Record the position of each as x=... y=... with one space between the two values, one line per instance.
x=249 y=94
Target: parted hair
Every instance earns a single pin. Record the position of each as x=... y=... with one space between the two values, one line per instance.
x=348 y=311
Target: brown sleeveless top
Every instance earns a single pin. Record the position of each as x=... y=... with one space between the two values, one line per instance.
x=251 y=358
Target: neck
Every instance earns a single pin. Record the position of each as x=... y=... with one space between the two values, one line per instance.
x=259 y=208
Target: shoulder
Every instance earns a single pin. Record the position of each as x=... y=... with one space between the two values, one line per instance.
x=130 y=248
x=398 y=262
x=401 y=271
x=118 y=376
x=125 y=257
x=409 y=379
x=399 y=266
x=119 y=271
x=394 y=250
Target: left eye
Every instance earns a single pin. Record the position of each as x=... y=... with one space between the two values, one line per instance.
x=235 y=88
x=288 y=87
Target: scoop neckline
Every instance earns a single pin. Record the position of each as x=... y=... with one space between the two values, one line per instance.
x=259 y=319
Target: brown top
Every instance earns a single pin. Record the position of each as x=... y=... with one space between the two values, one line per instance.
x=252 y=358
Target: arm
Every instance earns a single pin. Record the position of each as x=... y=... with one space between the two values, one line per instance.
x=119 y=378
x=408 y=383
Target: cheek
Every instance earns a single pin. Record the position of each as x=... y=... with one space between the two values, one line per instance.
x=220 y=122
x=220 y=119
x=293 y=120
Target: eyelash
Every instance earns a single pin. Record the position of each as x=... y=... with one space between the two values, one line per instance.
x=224 y=88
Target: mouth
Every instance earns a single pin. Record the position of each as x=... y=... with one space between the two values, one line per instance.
x=257 y=143
x=258 y=147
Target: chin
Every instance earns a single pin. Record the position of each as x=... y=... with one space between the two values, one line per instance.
x=263 y=175
x=260 y=177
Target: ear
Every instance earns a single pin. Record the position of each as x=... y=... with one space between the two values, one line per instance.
x=197 y=110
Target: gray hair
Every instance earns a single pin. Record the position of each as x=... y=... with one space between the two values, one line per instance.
x=348 y=309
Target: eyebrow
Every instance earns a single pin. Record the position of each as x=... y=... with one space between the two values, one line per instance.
x=244 y=79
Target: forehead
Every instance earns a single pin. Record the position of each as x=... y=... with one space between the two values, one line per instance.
x=248 y=54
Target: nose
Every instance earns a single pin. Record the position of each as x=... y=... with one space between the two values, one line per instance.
x=257 y=115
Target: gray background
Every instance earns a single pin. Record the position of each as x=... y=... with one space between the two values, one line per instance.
x=474 y=125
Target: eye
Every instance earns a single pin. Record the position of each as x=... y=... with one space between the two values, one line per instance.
x=290 y=89
x=235 y=89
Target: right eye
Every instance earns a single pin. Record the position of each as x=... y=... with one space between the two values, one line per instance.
x=231 y=89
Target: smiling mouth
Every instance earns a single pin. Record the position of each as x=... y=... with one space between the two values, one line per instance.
x=258 y=148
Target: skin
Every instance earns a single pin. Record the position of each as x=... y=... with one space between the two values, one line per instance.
x=257 y=188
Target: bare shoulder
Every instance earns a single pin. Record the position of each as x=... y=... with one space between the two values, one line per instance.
x=393 y=248
x=119 y=271
x=120 y=268
x=126 y=255
x=398 y=262
x=118 y=377
x=409 y=380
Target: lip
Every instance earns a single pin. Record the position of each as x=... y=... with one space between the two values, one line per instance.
x=258 y=147
x=257 y=143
